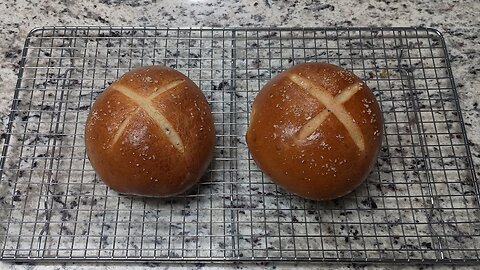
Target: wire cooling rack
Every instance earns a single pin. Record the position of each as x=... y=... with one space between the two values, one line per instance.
x=420 y=204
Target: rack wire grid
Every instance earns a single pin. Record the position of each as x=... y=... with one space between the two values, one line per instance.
x=420 y=203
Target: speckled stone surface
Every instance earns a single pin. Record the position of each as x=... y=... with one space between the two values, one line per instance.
x=458 y=21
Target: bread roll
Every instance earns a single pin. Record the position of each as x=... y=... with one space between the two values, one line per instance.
x=150 y=133
x=316 y=130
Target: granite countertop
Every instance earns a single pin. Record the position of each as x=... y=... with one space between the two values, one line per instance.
x=457 y=20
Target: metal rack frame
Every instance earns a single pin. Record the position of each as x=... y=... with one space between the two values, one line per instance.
x=420 y=204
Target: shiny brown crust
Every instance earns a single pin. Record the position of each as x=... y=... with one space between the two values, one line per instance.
x=130 y=149
x=329 y=162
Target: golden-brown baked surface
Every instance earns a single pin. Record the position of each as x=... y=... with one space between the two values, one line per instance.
x=150 y=133
x=316 y=130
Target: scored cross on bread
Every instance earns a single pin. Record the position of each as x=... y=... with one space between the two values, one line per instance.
x=332 y=105
x=316 y=130
x=145 y=103
x=150 y=133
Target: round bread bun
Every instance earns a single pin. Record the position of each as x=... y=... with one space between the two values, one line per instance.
x=316 y=130
x=150 y=133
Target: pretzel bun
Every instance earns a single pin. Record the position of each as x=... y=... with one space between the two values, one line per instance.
x=316 y=130
x=150 y=133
